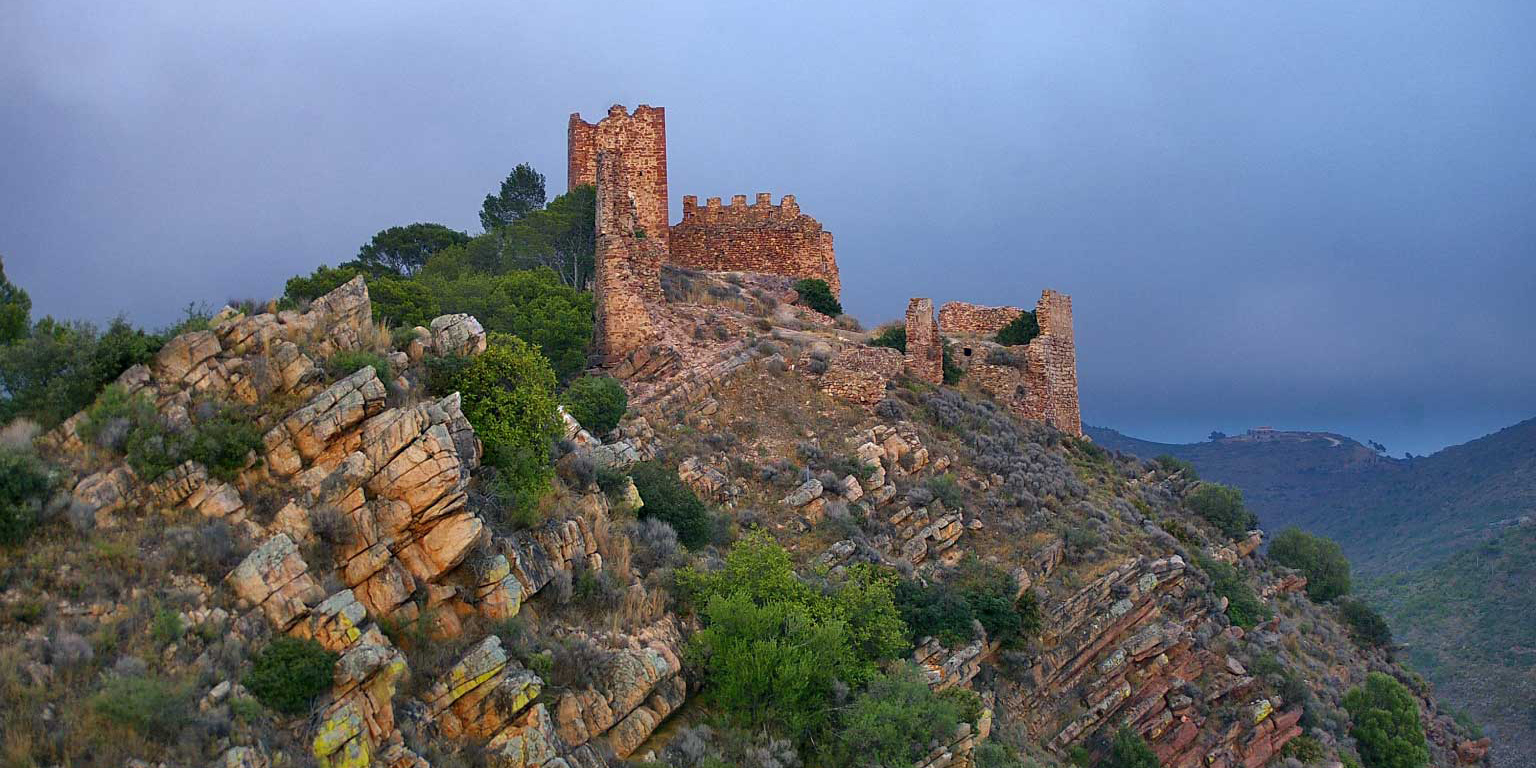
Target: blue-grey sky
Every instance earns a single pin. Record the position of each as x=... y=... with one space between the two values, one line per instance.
x=1307 y=214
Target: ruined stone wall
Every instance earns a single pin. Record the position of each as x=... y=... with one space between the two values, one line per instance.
x=925 y=350
x=627 y=283
x=860 y=374
x=761 y=237
x=1050 y=366
x=642 y=139
x=959 y=318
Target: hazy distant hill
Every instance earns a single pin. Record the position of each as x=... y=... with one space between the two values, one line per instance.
x=1389 y=514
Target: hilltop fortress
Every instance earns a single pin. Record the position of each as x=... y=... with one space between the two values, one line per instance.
x=625 y=156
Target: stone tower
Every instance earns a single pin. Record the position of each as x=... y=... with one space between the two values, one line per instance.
x=627 y=282
x=642 y=139
x=925 y=350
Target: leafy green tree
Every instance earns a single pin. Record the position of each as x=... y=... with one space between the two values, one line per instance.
x=893 y=336
x=15 y=309
x=521 y=193
x=1021 y=330
x=935 y=610
x=773 y=648
x=892 y=722
x=1129 y=750
x=509 y=397
x=1386 y=725
x=24 y=482
x=598 y=402
x=817 y=295
x=1222 y=505
x=1318 y=558
x=403 y=301
x=289 y=673
x=1366 y=626
x=666 y=498
x=533 y=305
x=562 y=237
x=403 y=250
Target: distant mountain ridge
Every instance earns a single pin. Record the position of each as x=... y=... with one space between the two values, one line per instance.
x=1388 y=514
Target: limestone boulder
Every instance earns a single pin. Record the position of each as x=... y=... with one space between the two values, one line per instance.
x=457 y=335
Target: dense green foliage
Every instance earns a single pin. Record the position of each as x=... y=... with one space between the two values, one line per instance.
x=15 y=309
x=597 y=402
x=935 y=609
x=1222 y=506
x=24 y=482
x=1386 y=725
x=1129 y=750
x=1022 y=330
x=974 y=592
x=774 y=648
x=817 y=295
x=59 y=367
x=289 y=673
x=1174 y=465
x=1320 y=559
x=509 y=397
x=892 y=722
x=668 y=500
x=1366 y=626
x=1244 y=607
x=403 y=250
x=893 y=336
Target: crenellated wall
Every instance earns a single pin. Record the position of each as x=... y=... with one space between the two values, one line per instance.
x=642 y=139
x=761 y=237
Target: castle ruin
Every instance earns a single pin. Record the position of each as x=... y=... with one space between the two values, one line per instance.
x=625 y=156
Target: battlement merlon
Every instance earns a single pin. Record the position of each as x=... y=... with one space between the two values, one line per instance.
x=762 y=207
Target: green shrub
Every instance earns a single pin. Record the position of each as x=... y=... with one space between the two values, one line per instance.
x=894 y=720
x=945 y=490
x=223 y=443
x=1174 y=465
x=1306 y=749
x=666 y=498
x=166 y=628
x=1385 y=724
x=817 y=295
x=1021 y=330
x=1320 y=559
x=773 y=648
x=996 y=754
x=1366 y=626
x=24 y=484
x=1222 y=506
x=509 y=397
x=15 y=310
x=892 y=336
x=935 y=610
x=59 y=368
x=598 y=402
x=289 y=673
x=155 y=708
x=1130 y=750
x=346 y=363
x=323 y=280
x=1243 y=606
x=990 y=592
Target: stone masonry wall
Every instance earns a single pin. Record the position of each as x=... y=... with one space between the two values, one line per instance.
x=642 y=139
x=627 y=283
x=925 y=350
x=761 y=237
x=1050 y=366
x=959 y=318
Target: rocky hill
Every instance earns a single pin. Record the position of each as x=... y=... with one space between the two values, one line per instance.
x=333 y=572
x=1438 y=540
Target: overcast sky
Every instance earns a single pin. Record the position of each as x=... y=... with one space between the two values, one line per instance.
x=1299 y=214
